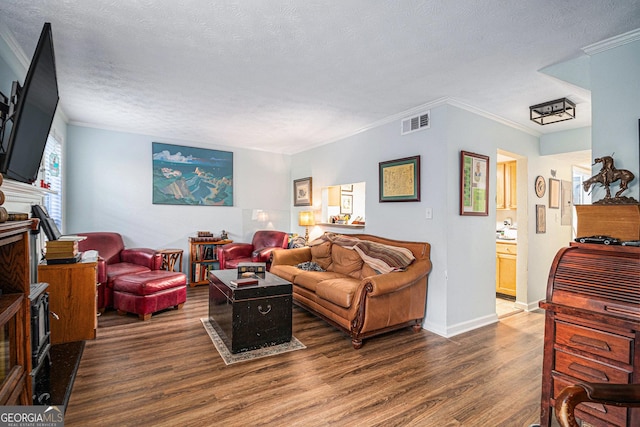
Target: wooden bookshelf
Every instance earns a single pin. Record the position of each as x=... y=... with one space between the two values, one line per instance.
x=203 y=258
x=15 y=283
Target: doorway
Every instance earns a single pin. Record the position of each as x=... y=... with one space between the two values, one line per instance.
x=507 y=226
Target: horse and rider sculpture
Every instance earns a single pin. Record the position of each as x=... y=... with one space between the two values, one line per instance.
x=608 y=175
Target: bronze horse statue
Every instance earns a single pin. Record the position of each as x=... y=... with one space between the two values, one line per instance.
x=608 y=175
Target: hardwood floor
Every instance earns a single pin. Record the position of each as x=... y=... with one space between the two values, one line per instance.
x=166 y=372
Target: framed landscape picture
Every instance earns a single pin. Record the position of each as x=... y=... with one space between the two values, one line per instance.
x=191 y=176
x=302 y=190
x=474 y=184
x=399 y=180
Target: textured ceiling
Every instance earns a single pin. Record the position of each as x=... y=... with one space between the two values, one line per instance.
x=283 y=76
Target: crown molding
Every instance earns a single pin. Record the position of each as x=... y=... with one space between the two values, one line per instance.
x=612 y=42
x=459 y=104
x=12 y=52
x=421 y=109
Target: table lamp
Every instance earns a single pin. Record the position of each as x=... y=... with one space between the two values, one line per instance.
x=305 y=219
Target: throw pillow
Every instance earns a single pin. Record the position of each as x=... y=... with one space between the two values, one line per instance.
x=321 y=254
x=310 y=266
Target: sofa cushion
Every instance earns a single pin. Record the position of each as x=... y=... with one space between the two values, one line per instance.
x=346 y=261
x=120 y=268
x=287 y=272
x=150 y=282
x=321 y=254
x=309 y=279
x=338 y=291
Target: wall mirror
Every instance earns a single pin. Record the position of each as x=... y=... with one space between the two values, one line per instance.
x=343 y=205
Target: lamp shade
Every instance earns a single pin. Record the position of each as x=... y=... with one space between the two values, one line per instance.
x=305 y=218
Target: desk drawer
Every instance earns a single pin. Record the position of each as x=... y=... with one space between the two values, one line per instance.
x=606 y=344
x=589 y=370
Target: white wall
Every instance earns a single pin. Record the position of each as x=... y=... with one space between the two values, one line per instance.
x=109 y=188
x=615 y=95
x=566 y=141
x=461 y=293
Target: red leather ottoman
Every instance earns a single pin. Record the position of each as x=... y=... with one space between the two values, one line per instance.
x=148 y=292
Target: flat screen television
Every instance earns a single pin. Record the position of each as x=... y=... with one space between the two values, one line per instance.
x=33 y=110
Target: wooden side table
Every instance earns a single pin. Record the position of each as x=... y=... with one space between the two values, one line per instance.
x=171 y=258
x=73 y=297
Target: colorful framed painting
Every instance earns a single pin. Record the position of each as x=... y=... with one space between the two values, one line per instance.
x=399 y=180
x=191 y=176
x=302 y=192
x=474 y=184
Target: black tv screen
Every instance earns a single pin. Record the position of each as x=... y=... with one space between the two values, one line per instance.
x=34 y=110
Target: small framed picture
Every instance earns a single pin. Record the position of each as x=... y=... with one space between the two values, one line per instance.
x=554 y=193
x=541 y=219
x=346 y=204
x=474 y=184
x=302 y=192
x=399 y=180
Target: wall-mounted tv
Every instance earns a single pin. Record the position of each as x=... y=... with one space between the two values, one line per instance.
x=30 y=114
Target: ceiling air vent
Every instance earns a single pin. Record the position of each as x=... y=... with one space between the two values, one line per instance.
x=415 y=123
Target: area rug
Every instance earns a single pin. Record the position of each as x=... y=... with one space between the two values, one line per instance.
x=230 y=358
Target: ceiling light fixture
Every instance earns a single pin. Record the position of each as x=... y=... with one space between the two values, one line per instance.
x=553 y=111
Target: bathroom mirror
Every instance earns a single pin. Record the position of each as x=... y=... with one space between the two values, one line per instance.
x=343 y=205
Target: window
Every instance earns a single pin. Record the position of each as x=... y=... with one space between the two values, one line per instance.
x=51 y=168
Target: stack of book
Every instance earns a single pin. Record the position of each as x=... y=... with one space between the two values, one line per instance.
x=62 y=251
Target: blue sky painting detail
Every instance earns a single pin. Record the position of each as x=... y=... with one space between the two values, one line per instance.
x=192 y=176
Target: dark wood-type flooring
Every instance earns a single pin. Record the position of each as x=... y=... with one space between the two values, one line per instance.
x=166 y=372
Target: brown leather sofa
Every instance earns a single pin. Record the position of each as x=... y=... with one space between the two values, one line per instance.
x=116 y=261
x=350 y=294
x=259 y=250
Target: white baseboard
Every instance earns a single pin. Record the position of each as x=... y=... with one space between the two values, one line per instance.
x=531 y=306
x=461 y=327
x=450 y=331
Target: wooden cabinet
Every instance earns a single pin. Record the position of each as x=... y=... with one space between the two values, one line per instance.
x=73 y=298
x=592 y=327
x=506 y=255
x=506 y=187
x=203 y=258
x=15 y=318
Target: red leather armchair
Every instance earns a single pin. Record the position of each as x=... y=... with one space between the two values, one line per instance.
x=259 y=250
x=114 y=260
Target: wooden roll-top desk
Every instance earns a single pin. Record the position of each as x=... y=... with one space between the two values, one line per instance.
x=592 y=327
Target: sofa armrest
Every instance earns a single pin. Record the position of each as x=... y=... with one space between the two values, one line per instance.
x=102 y=270
x=391 y=282
x=142 y=256
x=263 y=254
x=291 y=256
